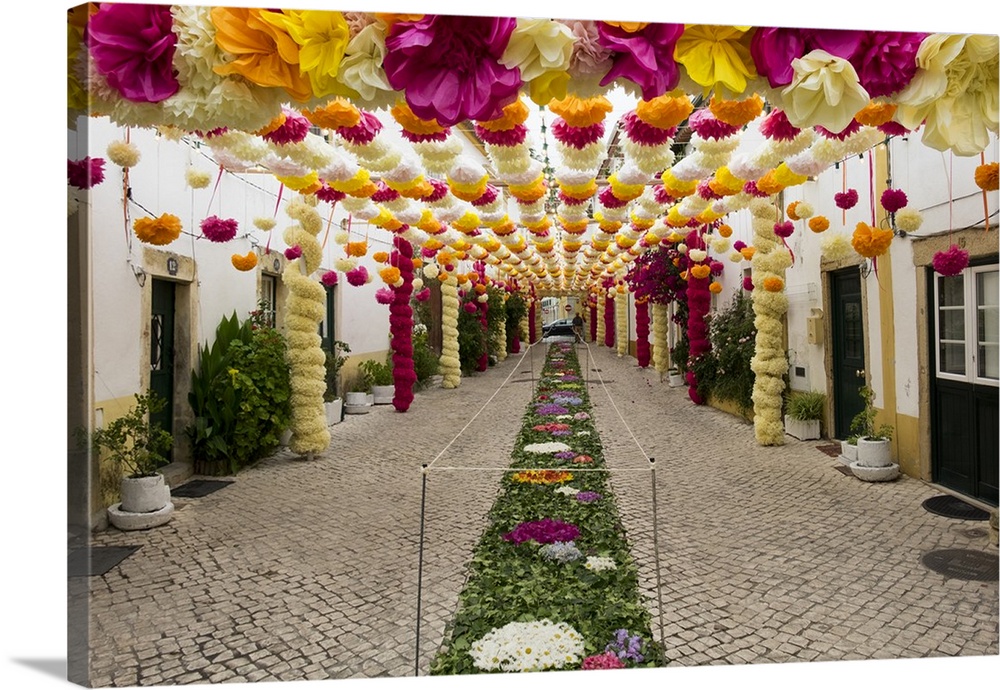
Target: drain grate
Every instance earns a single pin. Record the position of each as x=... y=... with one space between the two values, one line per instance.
x=949 y=506
x=198 y=488
x=963 y=564
x=97 y=560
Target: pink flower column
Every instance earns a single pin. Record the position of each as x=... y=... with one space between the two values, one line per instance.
x=401 y=327
x=609 y=321
x=593 y=322
x=699 y=303
x=642 y=332
x=484 y=359
x=531 y=323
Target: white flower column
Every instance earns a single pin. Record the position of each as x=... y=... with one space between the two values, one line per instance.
x=306 y=307
x=601 y=331
x=502 y=341
x=621 y=323
x=770 y=303
x=661 y=352
x=451 y=368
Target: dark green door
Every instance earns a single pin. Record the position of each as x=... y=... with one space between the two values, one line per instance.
x=161 y=350
x=848 y=333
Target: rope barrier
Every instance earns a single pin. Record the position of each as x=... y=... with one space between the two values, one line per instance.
x=615 y=406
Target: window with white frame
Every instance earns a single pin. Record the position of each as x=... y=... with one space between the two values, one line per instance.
x=269 y=297
x=967 y=325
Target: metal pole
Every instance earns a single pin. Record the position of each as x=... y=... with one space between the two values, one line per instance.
x=420 y=565
x=656 y=549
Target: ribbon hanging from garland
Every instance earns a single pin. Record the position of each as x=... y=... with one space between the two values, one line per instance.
x=986 y=203
x=277 y=205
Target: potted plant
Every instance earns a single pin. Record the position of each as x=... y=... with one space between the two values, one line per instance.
x=849 y=449
x=803 y=412
x=356 y=397
x=379 y=376
x=873 y=442
x=334 y=404
x=137 y=448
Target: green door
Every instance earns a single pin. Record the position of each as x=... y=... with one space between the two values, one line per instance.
x=848 y=334
x=161 y=350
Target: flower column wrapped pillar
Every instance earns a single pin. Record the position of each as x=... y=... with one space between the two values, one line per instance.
x=451 y=367
x=621 y=319
x=642 y=331
x=609 y=321
x=770 y=303
x=661 y=351
x=401 y=327
x=306 y=305
x=600 y=318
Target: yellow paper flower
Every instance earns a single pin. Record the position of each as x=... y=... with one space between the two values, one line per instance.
x=988 y=177
x=625 y=192
x=708 y=216
x=299 y=184
x=548 y=87
x=579 y=191
x=716 y=57
x=158 y=231
x=824 y=91
x=786 y=178
x=819 y=224
x=335 y=114
x=677 y=188
x=664 y=112
x=322 y=37
x=574 y=227
x=737 y=113
x=468 y=222
x=675 y=219
x=355 y=183
x=581 y=112
x=527 y=193
x=245 y=263
x=870 y=242
x=725 y=183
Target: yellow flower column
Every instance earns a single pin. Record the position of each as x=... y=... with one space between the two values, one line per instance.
x=523 y=329
x=770 y=303
x=661 y=352
x=502 y=341
x=451 y=368
x=306 y=307
x=538 y=321
x=621 y=323
x=601 y=331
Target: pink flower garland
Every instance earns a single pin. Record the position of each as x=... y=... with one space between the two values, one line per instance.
x=593 y=321
x=401 y=326
x=357 y=276
x=218 y=229
x=642 y=333
x=609 y=321
x=952 y=261
x=699 y=303
x=293 y=130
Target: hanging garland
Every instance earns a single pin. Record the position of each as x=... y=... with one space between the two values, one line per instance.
x=621 y=319
x=642 y=331
x=661 y=323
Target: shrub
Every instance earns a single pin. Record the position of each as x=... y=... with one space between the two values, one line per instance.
x=471 y=340
x=496 y=320
x=425 y=363
x=136 y=445
x=376 y=373
x=334 y=363
x=733 y=341
x=805 y=406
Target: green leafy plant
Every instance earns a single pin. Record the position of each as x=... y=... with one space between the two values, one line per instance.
x=335 y=361
x=516 y=309
x=425 y=362
x=133 y=443
x=471 y=341
x=805 y=406
x=496 y=320
x=863 y=424
x=375 y=373
x=240 y=395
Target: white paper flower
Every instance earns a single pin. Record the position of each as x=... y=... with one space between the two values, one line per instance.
x=824 y=91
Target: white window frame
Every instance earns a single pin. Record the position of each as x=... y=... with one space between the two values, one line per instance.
x=970 y=309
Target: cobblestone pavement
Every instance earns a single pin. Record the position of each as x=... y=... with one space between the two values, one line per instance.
x=308 y=569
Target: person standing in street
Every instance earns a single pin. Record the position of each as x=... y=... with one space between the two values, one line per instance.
x=578 y=327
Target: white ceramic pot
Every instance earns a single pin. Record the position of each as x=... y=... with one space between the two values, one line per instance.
x=874 y=453
x=333 y=410
x=144 y=494
x=802 y=429
x=382 y=395
x=356 y=403
x=849 y=451
x=676 y=380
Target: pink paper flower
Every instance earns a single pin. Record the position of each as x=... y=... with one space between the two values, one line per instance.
x=328 y=193
x=774 y=49
x=329 y=278
x=384 y=193
x=86 y=172
x=504 y=137
x=852 y=127
x=383 y=296
x=423 y=295
x=784 y=229
x=951 y=262
x=609 y=200
x=661 y=195
x=776 y=126
x=441 y=189
x=218 y=229
x=589 y=58
x=571 y=201
x=893 y=199
x=293 y=253
x=707 y=126
x=751 y=188
x=133 y=48
x=846 y=200
x=487 y=197
x=705 y=191
x=293 y=130
x=892 y=129
x=363 y=132
x=577 y=137
x=357 y=276
x=642 y=133
x=448 y=67
x=748 y=283
x=738 y=245
x=421 y=138
x=644 y=57
x=886 y=61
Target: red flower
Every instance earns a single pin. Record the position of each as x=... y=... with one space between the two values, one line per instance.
x=86 y=172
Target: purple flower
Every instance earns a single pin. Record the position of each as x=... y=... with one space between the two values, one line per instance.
x=545 y=531
x=561 y=432
x=581 y=416
x=625 y=646
x=564 y=455
x=644 y=57
x=570 y=377
x=449 y=69
x=588 y=496
x=133 y=47
x=550 y=409
x=86 y=172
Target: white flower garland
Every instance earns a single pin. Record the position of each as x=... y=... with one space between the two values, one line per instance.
x=661 y=353
x=451 y=368
x=621 y=323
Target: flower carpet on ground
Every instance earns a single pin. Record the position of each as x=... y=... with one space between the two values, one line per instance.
x=551 y=583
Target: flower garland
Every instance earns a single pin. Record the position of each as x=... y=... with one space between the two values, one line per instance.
x=642 y=332
x=601 y=319
x=401 y=326
x=609 y=318
x=621 y=318
x=451 y=367
x=769 y=362
x=699 y=299
x=661 y=352
x=306 y=307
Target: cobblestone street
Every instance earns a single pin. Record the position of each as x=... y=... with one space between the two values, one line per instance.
x=308 y=569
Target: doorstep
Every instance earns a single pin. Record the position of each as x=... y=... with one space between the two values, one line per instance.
x=176 y=473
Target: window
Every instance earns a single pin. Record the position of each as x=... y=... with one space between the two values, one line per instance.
x=269 y=297
x=967 y=325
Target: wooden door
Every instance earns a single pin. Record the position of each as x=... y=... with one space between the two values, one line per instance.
x=848 y=335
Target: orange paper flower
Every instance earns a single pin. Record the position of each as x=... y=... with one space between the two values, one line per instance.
x=273 y=125
x=701 y=271
x=715 y=288
x=245 y=263
x=987 y=177
x=819 y=223
x=773 y=284
x=790 y=211
x=664 y=112
x=737 y=113
x=875 y=114
x=411 y=123
x=514 y=114
x=870 y=242
x=725 y=230
x=357 y=248
x=158 y=231
x=769 y=184
x=390 y=275
x=748 y=252
x=336 y=114
x=581 y=112
x=381 y=257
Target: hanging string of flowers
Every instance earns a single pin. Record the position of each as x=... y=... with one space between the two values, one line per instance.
x=661 y=324
x=699 y=300
x=602 y=318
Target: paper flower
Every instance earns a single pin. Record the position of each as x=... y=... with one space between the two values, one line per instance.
x=329 y=278
x=158 y=231
x=737 y=113
x=909 y=219
x=747 y=283
x=820 y=223
x=716 y=58
x=218 y=229
x=449 y=67
x=951 y=262
x=86 y=172
x=886 y=60
x=293 y=129
x=292 y=253
x=383 y=296
x=784 y=229
x=321 y=37
x=197 y=179
x=361 y=69
x=846 y=200
x=537 y=46
x=123 y=153
x=825 y=91
x=264 y=223
x=133 y=48
x=644 y=57
x=357 y=276
x=245 y=263
x=835 y=246
x=893 y=199
x=869 y=241
x=987 y=177
x=703 y=123
x=773 y=284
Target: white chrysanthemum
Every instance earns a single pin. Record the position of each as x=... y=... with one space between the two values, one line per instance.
x=123 y=153
x=528 y=646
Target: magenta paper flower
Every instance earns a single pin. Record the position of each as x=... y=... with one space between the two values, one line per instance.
x=609 y=200
x=86 y=172
x=293 y=130
x=951 y=261
x=133 y=48
x=487 y=197
x=751 y=188
x=363 y=132
x=703 y=123
x=776 y=126
x=774 y=49
x=329 y=278
x=293 y=253
x=219 y=229
x=846 y=200
x=514 y=136
x=440 y=188
x=852 y=127
x=423 y=295
x=383 y=296
x=470 y=307
x=641 y=133
x=328 y=193
x=748 y=283
x=886 y=61
x=739 y=245
x=448 y=67
x=661 y=195
x=644 y=57
x=384 y=193
x=784 y=229
x=357 y=276
x=892 y=129
x=893 y=199
x=415 y=138
x=704 y=190
x=577 y=137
